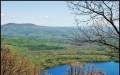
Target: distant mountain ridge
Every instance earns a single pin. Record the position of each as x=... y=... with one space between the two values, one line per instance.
x=36 y=31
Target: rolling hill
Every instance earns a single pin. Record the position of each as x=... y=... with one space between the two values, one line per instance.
x=35 y=31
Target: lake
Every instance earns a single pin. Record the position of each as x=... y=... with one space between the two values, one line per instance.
x=108 y=68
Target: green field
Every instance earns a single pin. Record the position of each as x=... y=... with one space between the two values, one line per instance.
x=47 y=53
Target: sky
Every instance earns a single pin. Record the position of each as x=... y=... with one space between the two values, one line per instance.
x=45 y=13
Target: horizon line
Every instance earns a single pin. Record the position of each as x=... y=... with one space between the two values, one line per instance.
x=38 y=25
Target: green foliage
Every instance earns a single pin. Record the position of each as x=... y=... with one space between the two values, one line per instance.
x=47 y=53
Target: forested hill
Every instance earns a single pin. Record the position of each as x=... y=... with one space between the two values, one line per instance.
x=35 y=31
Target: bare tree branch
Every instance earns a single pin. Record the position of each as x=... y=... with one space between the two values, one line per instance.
x=101 y=20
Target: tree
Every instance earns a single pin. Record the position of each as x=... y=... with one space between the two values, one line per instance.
x=100 y=22
x=15 y=64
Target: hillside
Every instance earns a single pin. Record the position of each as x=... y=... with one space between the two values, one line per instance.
x=35 y=31
x=37 y=46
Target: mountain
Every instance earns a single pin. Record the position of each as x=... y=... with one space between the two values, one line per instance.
x=35 y=31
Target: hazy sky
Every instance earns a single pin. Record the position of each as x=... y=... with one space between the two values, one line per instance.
x=46 y=13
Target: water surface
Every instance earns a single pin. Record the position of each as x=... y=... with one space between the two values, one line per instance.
x=108 y=68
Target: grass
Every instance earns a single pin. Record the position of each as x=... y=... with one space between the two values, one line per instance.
x=45 y=53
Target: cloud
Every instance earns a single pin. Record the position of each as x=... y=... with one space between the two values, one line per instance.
x=46 y=16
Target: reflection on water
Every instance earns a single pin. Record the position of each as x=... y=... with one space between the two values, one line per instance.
x=109 y=68
x=99 y=68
